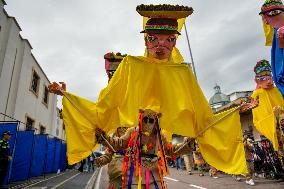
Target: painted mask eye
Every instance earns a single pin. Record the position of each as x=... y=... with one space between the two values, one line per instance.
x=273 y=13
x=171 y=39
x=151 y=38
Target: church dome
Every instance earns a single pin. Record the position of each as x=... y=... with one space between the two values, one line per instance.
x=218 y=99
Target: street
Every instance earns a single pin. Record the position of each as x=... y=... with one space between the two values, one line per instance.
x=180 y=180
x=71 y=179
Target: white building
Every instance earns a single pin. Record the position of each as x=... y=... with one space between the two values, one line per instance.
x=24 y=94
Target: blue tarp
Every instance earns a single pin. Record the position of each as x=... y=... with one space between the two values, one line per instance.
x=50 y=155
x=23 y=153
x=39 y=155
x=57 y=155
x=12 y=127
x=63 y=156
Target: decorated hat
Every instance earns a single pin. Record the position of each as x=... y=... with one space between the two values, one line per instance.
x=112 y=61
x=262 y=68
x=272 y=6
x=163 y=18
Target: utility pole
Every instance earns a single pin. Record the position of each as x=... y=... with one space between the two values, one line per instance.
x=192 y=62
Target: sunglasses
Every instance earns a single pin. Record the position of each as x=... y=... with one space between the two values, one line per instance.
x=264 y=78
x=148 y=120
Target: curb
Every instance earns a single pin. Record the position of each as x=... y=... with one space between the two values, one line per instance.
x=92 y=181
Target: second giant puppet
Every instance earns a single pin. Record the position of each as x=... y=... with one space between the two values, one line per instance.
x=267 y=113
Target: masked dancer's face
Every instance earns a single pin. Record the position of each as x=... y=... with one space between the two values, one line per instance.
x=160 y=46
x=265 y=82
x=149 y=120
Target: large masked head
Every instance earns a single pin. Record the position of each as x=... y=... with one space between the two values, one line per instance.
x=272 y=13
x=161 y=29
x=263 y=75
x=112 y=61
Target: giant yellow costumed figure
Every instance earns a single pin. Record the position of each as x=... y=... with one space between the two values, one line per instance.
x=160 y=83
x=270 y=106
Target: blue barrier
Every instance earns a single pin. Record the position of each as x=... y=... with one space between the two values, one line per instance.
x=63 y=159
x=33 y=155
x=50 y=155
x=23 y=153
x=57 y=155
x=39 y=155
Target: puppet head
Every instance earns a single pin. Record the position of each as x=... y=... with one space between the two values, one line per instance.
x=263 y=75
x=111 y=62
x=161 y=29
x=272 y=13
x=149 y=119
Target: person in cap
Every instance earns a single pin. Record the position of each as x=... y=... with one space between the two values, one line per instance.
x=5 y=156
x=272 y=12
x=270 y=101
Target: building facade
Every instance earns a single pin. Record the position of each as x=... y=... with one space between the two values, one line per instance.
x=233 y=100
x=24 y=94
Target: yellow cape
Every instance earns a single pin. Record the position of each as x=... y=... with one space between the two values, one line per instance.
x=166 y=87
x=263 y=117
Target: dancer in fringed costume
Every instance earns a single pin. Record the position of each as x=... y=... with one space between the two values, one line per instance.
x=145 y=149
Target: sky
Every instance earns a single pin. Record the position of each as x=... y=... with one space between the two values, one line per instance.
x=70 y=37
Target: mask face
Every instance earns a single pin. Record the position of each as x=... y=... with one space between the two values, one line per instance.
x=148 y=122
x=274 y=17
x=160 y=46
x=264 y=82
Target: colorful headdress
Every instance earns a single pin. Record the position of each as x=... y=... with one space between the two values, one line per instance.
x=274 y=7
x=262 y=68
x=163 y=18
x=112 y=61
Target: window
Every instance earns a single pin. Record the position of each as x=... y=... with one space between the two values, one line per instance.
x=45 y=95
x=35 y=83
x=42 y=129
x=30 y=123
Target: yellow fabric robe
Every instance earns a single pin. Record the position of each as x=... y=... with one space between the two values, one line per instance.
x=263 y=117
x=166 y=87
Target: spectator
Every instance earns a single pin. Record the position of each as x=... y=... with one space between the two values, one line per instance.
x=5 y=156
x=178 y=162
x=248 y=144
x=198 y=160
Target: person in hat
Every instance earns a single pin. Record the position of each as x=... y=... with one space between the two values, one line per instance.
x=145 y=149
x=5 y=156
x=272 y=12
x=270 y=100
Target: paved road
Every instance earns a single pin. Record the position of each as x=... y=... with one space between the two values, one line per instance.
x=71 y=179
x=180 y=180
